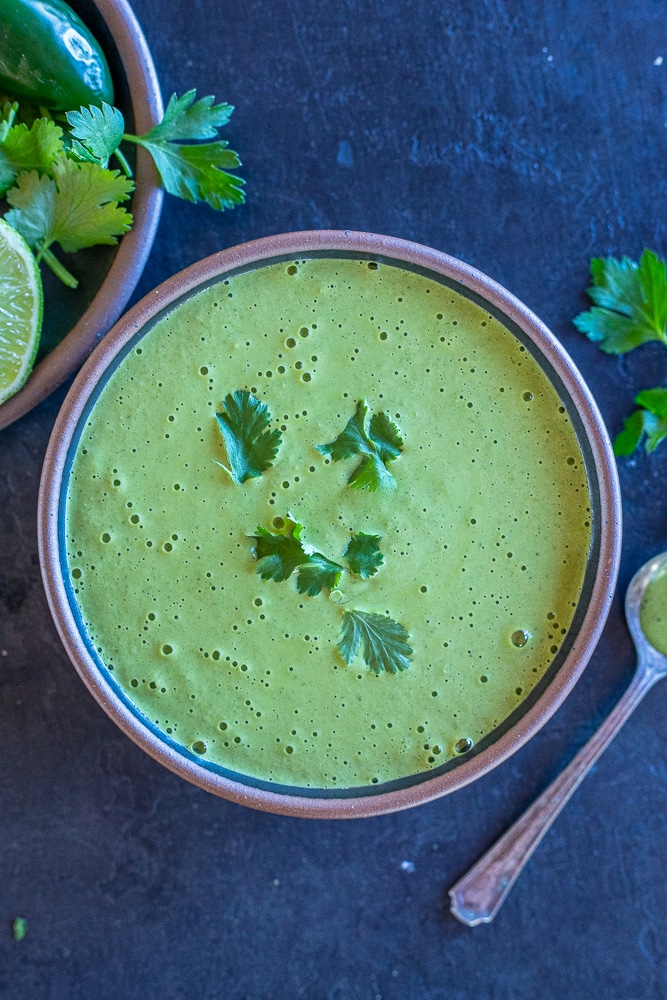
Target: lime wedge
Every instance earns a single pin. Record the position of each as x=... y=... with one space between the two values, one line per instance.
x=20 y=310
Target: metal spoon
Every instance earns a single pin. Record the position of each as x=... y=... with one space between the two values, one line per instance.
x=477 y=897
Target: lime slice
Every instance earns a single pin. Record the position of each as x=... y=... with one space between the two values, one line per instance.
x=20 y=310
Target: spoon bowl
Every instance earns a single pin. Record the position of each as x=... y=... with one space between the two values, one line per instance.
x=479 y=894
x=647 y=654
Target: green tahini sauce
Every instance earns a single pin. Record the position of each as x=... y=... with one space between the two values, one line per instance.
x=485 y=539
x=653 y=612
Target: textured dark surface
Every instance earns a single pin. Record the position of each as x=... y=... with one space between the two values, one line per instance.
x=522 y=137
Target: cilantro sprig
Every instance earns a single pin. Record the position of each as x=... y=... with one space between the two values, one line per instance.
x=78 y=207
x=188 y=168
x=280 y=553
x=630 y=303
x=283 y=552
x=244 y=425
x=647 y=424
x=631 y=309
x=60 y=188
x=378 y=444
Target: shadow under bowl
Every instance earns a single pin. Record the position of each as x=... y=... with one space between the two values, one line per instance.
x=75 y=320
x=601 y=566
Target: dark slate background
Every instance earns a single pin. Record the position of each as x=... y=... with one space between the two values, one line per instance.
x=523 y=136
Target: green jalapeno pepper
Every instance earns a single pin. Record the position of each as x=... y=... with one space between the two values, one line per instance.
x=49 y=57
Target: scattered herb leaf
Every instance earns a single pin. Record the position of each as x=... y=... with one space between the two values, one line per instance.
x=279 y=553
x=384 y=641
x=630 y=303
x=363 y=555
x=251 y=446
x=381 y=443
x=648 y=423
x=19 y=928
x=23 y=148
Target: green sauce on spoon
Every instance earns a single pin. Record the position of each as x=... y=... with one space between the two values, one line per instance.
x=653 y=612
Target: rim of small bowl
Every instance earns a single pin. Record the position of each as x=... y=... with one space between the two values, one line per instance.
x=135 y=246
x=603 y=575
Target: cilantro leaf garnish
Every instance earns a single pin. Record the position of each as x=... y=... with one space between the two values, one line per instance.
x=97 y=133
x=363 y=555
x=317 y=573
x=195 y=172
x=648 y=423
x=279 y=553
x=23 y=148
x=630 y=303
x=379 y=444
x=251 y=447
x=384 y=641
x=282 y=552
x=77 y=208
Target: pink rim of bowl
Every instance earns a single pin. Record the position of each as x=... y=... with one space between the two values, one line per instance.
x=600 y=577
x=134 y=247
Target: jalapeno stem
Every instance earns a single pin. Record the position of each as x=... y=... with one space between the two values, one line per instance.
x=58 y=269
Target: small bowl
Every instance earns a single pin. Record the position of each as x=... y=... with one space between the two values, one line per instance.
x=599 y=580
x=108 y=275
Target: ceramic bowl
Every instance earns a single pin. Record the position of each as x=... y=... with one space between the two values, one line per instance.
x=600 y=575
x=76 y=319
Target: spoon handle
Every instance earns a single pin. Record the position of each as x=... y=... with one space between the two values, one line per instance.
x=477 y=897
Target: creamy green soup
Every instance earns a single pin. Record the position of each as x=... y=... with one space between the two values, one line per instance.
x=485 y=538
x=653 y=612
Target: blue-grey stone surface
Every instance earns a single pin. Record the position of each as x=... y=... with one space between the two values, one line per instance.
x=523 y=137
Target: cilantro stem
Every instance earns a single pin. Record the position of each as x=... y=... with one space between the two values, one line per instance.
x=58 y=269
x=127 y=169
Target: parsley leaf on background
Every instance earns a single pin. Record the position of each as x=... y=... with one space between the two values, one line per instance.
x=363 y=555
x=384 y=641
x=76 y=208
x=630 y=303
x=279 y=553
x=251 y=446
x=23 y=148
x=648 y=423
x=381 y=443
